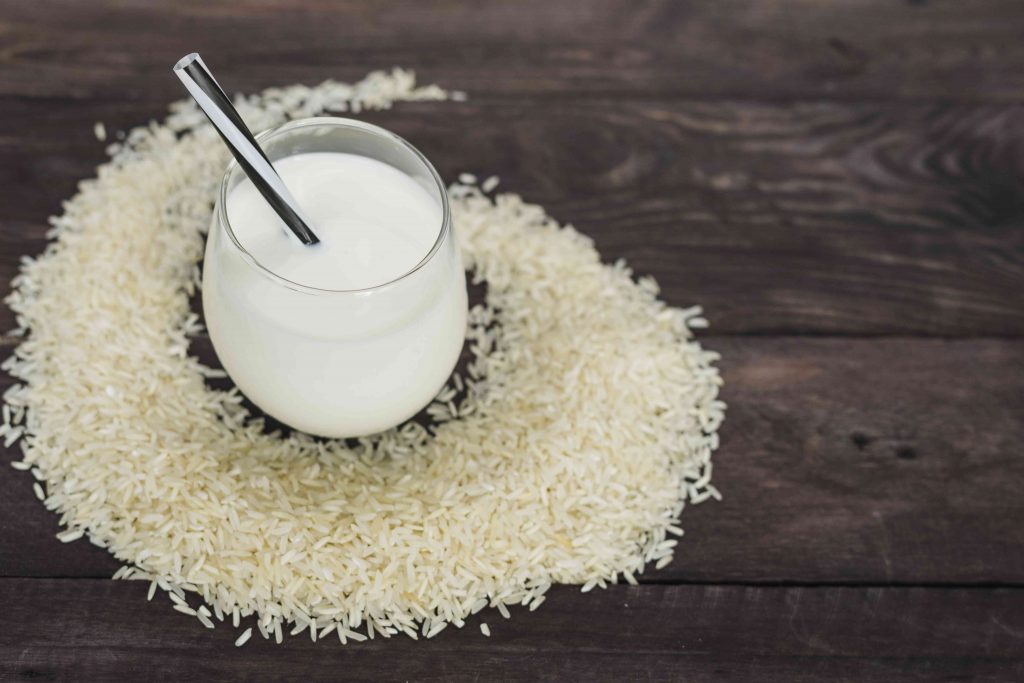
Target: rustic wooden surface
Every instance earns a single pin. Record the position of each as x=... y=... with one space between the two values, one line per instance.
x=838 y=183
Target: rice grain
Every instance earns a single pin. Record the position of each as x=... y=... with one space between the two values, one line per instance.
x=244 y=638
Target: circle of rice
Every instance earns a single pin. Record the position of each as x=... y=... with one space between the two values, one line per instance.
x=588 y=420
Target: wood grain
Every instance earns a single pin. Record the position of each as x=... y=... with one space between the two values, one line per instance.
x=767 y=50
x=842 y=460
x=809 y=219
x=106 y=631
x=837 y=182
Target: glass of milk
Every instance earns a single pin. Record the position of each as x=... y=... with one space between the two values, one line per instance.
x=358 y=333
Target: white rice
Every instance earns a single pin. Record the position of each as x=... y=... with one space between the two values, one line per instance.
x=70 y=535
x=244 y=638
x=485 y=629
x=588 y=420
x=185 y=609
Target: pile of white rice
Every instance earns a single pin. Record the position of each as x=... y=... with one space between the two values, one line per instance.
x=586 y=420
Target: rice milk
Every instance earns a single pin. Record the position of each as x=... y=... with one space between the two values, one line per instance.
x=352 y=335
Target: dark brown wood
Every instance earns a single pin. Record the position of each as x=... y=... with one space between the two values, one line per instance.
x=842 y=460
x=844 y=174
x=765 y=50
x=662 y=633
x=845 y=219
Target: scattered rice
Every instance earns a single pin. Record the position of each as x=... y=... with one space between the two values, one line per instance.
x=185 y=609
x=13 y=434
x=488 y=185
x=100 y=131
x=587 y=421
x=345 y=634
x=70 y=535
x=485 y=629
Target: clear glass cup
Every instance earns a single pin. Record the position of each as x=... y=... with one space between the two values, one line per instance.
x=336 y=363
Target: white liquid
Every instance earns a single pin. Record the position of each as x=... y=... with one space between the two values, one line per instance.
x=374 y=222
x=337 y=363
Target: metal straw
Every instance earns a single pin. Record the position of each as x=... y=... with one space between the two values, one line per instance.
x=218 y=108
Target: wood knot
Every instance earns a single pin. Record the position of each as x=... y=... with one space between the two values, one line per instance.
x=861 y=441
x=906 y=453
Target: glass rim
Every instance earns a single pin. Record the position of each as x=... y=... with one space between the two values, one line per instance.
x=353 y=124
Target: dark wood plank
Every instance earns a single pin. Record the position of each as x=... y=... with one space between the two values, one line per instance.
x=868 y=460
x=842 y=460
x=104 y=630
x=772 y=49
x=813 y=218
x=798 y=167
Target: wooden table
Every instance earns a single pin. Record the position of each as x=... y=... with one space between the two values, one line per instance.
x=838 y=183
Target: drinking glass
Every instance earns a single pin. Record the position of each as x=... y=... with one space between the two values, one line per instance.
x=336 y=363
